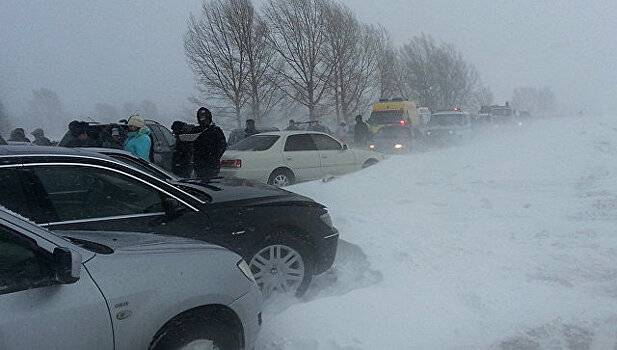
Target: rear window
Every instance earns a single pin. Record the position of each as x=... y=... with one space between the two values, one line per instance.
x=256 y=143
x=448 y=120
x=386 y=117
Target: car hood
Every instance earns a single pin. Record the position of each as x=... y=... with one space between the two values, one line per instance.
x=98 y=241
x=228 y=190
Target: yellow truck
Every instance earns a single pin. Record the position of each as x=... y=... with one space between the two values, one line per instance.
x=396 y=111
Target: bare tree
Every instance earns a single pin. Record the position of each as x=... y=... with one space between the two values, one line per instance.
x=436 y=75
x=353 y=49
x=214 y=48
x=298 y=34
x=388 y=67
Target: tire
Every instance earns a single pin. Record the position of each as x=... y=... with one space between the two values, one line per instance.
x=281 y=178
x=369 y=163
x=282 y=267
x=196 y=331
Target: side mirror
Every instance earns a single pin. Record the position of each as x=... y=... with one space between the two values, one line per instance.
x=172 y=208
x=67 y=265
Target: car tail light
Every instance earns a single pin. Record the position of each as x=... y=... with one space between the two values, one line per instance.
x=231 y=163
x=403 y=122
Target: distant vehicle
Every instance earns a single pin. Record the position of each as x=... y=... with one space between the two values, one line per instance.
x=392 y=139
x=424 y=113
x=502 y=114
x=483 y=116
x=287 y=157
x=286 y=238
x=121 y=290
x=448 y=126
x=237 y=135
x=396 y=111
x=163 y=141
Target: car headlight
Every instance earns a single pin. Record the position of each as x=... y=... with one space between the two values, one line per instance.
x=371 y=146
x=398 y=146
x=246 y=270
x=327 y=219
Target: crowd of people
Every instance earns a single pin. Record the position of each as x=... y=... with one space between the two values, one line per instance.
x=198 y=148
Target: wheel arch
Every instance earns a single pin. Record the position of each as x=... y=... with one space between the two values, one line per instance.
x=222 y=312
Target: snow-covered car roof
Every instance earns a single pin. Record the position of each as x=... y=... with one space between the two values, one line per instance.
x=291 y=132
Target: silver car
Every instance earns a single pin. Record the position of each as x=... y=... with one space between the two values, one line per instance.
x=96 y=290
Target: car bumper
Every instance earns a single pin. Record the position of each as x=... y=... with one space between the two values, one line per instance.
x=326 y=252
x=249 y=308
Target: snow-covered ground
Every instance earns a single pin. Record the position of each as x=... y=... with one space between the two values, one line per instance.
x=506 y=242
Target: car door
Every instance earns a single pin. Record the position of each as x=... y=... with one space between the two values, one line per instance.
x=334 y=158
x=36 y=313
x=300 y=154
x=162 y=146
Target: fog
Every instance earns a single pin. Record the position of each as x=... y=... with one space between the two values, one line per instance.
x=117 y=51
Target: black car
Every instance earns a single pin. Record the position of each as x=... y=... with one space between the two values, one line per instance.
x=285 y=237
x=392 y=139
x=100 y=135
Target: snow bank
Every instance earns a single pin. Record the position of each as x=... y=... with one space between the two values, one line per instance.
x=506 y=242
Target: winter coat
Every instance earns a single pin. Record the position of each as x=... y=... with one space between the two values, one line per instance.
x=362 y=134
x=209 y=147
x=18 y=135
x=42 y=141
x=139 y=143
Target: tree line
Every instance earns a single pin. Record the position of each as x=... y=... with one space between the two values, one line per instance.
x=317 y=54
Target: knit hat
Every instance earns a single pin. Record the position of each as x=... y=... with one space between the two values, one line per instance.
x=136 y=121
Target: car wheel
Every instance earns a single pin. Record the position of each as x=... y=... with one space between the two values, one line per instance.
x=369 y=163
x=194 y=332
x=281 y=178
x=282 y=267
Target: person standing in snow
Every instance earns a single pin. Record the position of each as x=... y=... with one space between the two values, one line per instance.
x=250 y=129
x=183 y=151
x=362 y=134
x=292 y=126
x=138 y=141
x=40 y=139
x=18 y=135
x=342 y=131
x=209 y=146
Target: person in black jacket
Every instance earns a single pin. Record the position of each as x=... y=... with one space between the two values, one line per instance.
x=183 y=150
x=250 y=129
x=19 y=135
x=362 y=134
x=40 y=139
x=209 y=146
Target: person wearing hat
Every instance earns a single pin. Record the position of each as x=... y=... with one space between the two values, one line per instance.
x=361 y=134
x=40 y=139
x=18 y=135
x=209 y=146
x=138 y=141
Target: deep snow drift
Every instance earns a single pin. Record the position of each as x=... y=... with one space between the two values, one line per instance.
x=506 y=242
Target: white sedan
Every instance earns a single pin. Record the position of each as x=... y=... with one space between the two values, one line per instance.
x=285 y=157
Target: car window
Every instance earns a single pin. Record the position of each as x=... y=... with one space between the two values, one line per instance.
x=169 y=137
x=300 y=142
x=78 y=192
x=22 y=266
x=256 y=143
x=326 y=143
x=148 y=168
x=12 y=193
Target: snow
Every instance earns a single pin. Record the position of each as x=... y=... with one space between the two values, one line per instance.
x=507 y=241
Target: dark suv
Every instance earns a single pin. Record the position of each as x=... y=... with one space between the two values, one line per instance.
x=285 y=237
x=163 y=141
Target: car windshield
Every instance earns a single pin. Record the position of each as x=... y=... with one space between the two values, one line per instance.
x=255 y=143
x=386 y=117
x=447 y=120
x=393 y=133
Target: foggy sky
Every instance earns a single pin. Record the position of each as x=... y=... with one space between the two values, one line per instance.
x=116 y=51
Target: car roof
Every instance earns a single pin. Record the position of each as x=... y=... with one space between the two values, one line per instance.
x=451 y=113
x=48 y=151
